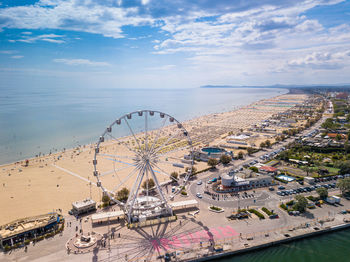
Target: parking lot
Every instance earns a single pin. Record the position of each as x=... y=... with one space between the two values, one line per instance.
x=294 y=188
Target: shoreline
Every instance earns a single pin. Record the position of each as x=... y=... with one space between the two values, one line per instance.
x=126 y=136
x=55 y=181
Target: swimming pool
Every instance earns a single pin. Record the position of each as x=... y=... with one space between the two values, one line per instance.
x=212 y=150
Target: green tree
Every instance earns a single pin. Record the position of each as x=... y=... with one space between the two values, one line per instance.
x=322 y=192
x=193 y=171
x=250 y=151
x=268 y=143
x=344 y=185
x=344 y=168
x=254 y=169
x=300 y=203
x=148 y=184
x=123 y=194
x=240 y=155
x=212 y=162
x=174 y=175
x=225 y=159
x=262 y=145
x=105 y=199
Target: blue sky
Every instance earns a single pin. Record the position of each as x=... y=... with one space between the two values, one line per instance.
x=173 y=44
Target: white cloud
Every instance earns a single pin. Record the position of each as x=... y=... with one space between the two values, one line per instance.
x=7 y=52
x=75 y=15
x=52 y=38
x=322 y=60
x=77 y=62
x=17 y=56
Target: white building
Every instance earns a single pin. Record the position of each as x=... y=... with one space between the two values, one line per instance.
x=84 y=206
x=232 y=182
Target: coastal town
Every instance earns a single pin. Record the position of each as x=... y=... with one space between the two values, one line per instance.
x=221 y=184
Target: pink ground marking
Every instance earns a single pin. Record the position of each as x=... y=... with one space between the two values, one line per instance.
x=164 y=242
x=193 y=238
x=188 y=239
x=228 y=231
x=175 y=242
x=216 y=234
x=203 y=234
x=155 y=244
x=184 y=240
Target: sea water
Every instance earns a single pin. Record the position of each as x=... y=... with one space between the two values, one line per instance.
x=328 y=247
x=34 y=121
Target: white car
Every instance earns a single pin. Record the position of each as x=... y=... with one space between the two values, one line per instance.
x=199 y=195
x=199 y=182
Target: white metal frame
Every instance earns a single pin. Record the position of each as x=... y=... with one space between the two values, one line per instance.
x=144 y=162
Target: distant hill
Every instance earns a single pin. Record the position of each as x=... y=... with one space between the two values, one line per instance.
x=346 y=86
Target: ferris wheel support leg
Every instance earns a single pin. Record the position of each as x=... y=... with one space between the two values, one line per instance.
x=159 y=190
x=139 y=179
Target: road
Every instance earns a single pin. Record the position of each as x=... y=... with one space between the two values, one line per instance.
x=258 y=197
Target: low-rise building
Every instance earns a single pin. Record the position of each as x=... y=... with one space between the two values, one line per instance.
x=18 y=231
x=232 y=181
x=84 y=206
x=268 y=170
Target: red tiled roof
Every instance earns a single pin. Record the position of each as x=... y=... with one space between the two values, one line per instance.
x=334 y=135
x=268 y=168
x=342 y=95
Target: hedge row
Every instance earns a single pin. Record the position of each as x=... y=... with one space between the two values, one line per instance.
x=268 y=212
x=283 y=206
x=257 y=213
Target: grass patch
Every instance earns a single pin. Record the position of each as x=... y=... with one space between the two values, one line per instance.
x=215 y=208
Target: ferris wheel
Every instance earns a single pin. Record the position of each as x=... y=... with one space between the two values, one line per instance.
x=142 y=161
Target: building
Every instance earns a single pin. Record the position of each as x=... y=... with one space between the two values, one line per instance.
x=112 y=216
x=268 y=170
x=18 y=231
x=84 y=206
x=232 y=181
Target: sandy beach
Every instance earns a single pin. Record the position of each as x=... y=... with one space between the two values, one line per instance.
x=55 y=181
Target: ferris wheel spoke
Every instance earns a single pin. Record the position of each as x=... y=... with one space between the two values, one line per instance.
x=161 y=171
x=166 y=142
x=175 y=164
x=114 y=170
x=119 y=141
x=125 y=179
x=116 y=156
x=172 y=151
x=158 y=133
x=136 y=186
x=132 y=132
x=146 y=132
x=118 y=161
